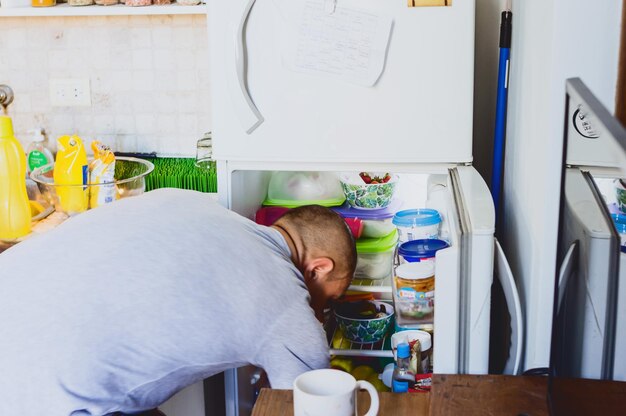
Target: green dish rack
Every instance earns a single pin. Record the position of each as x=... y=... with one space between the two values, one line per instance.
x=181 y=173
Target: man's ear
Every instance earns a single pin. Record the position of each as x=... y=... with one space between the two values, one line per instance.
x=318 y=268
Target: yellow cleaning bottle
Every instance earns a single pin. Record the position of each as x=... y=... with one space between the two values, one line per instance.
x=14 y=207
x=70 y=168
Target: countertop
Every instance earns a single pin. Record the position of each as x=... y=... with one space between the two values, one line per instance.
x=477 y=395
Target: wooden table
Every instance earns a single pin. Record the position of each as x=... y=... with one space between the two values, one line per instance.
x=476 y=395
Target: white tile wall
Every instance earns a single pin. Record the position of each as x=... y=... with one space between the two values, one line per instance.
x=148 y=74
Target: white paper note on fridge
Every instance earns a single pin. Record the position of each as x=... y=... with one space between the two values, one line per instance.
x=342 y=42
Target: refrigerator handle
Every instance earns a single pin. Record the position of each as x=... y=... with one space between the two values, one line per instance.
x=248 y=113
x=514 y=362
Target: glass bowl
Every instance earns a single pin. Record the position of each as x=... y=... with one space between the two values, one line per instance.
x=130 y=180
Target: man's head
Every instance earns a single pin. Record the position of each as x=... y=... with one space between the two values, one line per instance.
x=322 y=248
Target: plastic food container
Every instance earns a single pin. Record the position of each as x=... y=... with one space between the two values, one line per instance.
x=414 y=292
x=619 y=220
x=421 y=250
x=367 y=196
x=417 y=224
x=377 y=223
x=294 y=189
x=375 y=256
x=269 y=215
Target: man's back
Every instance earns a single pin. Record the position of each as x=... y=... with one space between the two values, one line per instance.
x=122 y=306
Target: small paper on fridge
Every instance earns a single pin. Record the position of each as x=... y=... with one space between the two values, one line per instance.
x=342 y=42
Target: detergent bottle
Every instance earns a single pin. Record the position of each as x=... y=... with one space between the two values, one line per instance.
x=71 y=169
x=14 y=206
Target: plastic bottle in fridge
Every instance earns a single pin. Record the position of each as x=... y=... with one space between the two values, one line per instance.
x=402 y=378
x=15 y=213
x=71 y=169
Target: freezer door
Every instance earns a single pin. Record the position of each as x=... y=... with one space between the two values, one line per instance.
x=286 y=86
x=476 y=222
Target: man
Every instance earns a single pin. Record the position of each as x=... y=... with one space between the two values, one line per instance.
x=120 y=307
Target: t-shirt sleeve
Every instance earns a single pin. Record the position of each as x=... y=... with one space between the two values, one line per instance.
x=296 y=343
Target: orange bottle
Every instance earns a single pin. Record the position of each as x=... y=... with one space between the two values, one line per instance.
x=15 y=213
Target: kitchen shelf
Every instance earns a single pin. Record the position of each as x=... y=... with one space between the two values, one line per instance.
x=95 y=10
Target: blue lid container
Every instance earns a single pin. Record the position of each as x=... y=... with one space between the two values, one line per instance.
x=418 y=250
x=420 y=217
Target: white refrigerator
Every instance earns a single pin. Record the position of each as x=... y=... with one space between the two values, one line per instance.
x=363 y=85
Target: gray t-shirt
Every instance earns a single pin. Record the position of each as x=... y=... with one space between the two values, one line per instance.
x=120 y=307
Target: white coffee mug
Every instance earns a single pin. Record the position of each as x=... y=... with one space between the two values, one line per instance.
x=330 y=393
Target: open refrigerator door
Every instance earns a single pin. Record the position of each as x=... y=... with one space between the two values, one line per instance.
x=464 y=269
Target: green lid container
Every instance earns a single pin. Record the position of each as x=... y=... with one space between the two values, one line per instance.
x=377 y=245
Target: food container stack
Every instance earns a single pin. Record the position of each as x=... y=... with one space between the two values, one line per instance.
x=369 y=198
x=414 y=272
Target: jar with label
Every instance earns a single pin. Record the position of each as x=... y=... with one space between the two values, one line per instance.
x=414 y=293
x=80 y=2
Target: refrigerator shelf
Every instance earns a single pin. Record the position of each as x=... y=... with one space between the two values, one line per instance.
x=372 y=286
x=381 y=348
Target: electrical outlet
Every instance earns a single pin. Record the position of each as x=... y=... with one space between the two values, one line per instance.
x=70 y=92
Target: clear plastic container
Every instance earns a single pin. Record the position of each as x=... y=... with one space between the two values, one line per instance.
x=294 y=189
x=417 y=224
x=375 y=257
x=377 y=223
x=414 y=293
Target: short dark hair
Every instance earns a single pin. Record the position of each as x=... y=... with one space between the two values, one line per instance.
x=323 y=230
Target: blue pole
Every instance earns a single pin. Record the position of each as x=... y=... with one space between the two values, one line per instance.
x=501 y=106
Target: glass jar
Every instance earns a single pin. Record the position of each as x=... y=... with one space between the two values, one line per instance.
x=414 y=292
x=80 y=2
x=161 y=2
x=43 y=3
x=106 y=2
x=136 y=3
x=204 y=152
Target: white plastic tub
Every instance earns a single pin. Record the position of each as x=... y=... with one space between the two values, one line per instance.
x=417 y=224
